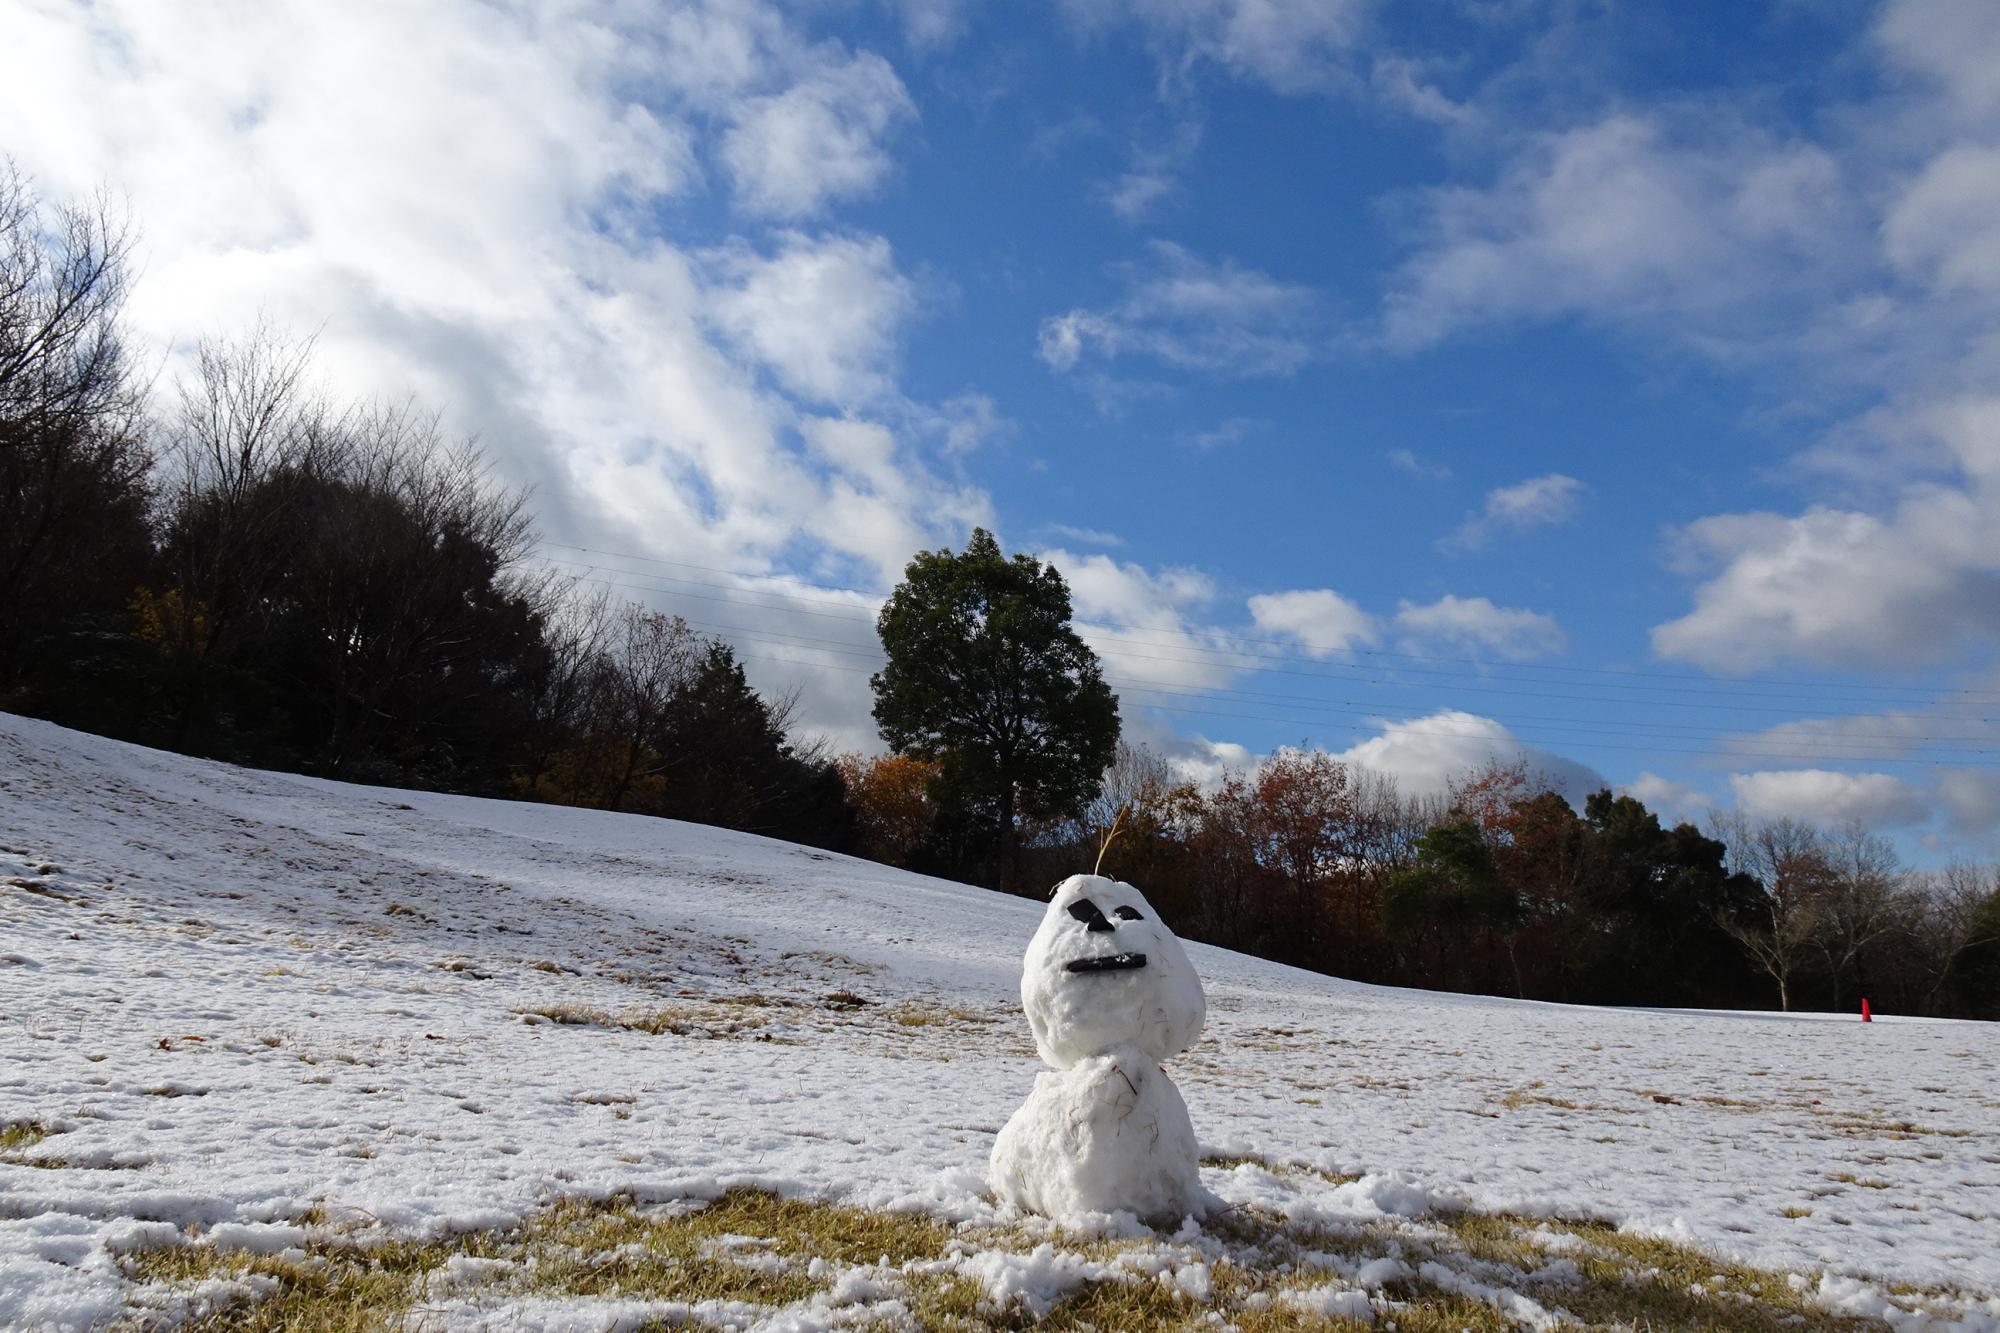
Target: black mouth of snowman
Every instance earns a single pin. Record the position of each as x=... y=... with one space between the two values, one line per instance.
x=1111 y=962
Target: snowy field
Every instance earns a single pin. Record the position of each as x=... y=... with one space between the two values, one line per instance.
x=249 y=1012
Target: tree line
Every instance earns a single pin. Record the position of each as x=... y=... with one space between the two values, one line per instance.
x=1499 y=886
x=262 y=574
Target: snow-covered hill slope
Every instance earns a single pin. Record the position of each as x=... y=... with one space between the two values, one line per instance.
x=227 y=995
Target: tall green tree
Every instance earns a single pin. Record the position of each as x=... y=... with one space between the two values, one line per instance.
x=1974 y=978
x=1454 y=891
x=986 y=677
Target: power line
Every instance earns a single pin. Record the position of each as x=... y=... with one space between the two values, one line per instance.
x=1693 y=683
x=1402 y=729
x=1735 y=750
x=1129 y=655
x=1903 y=743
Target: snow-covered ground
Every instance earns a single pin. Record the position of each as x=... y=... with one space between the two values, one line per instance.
x=235 y=994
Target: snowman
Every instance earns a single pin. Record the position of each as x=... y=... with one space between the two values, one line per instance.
x=1109 y=995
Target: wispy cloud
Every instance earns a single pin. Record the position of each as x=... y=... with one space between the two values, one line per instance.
x=1707 y=229
x=1423 y=469
x=1223 y=434
x=1289 y=45
x=1476 y=624
x=1154 y=173
x=1538 y=502
x=821 y=139
x=1189 y=313
x=1085 y=536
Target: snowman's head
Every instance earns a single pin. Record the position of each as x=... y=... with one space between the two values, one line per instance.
x=1105 y=971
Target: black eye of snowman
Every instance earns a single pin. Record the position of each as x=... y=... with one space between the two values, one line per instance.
x=1090 y=914
x=1128 y=914
x=1094 y=921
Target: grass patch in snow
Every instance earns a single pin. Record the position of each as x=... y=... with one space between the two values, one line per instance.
x=749 y=1249
x=925 y=1013
x=745 y=1247
x=712 y=1019
x=19 y=1134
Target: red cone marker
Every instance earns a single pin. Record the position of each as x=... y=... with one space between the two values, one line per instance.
x=1866 y=1016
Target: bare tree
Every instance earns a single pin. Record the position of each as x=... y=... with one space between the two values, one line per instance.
x=248 y=436
x=1137 y=776
x=1862 y=902
x=73 y=458
x=1941 y=909
x=64 y=366
x=575 y=636
x=362 y=574
x=653 y=659
x=1788 y=859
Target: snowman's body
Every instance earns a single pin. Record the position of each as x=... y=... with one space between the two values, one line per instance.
x=1109 y=994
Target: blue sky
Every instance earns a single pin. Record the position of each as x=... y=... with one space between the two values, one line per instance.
x=1611 y=385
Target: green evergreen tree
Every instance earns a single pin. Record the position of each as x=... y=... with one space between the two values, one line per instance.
x=1974 y=979
x=1454 y=891
x=986 y=677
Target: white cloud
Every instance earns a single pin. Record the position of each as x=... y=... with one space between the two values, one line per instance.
x=1086 y=536
x=1674 y=802
x=1134 y=193
x=1146 y=624
x=1535 y=503
x=1476 y=623
x=1192 y=314
x=1194 y=757
x=1423 y=469
x=931 y=25
x=1426 y=754
x=1856 y=259
x=1823 y=796
x=1952 y=44
x=1839 y=588
x=1970 y=798
x=1891 y=734
x=822 y=314
x=482 y=229
x=1291 y=45
x=968 y=421
x=792 y=152
x=1945 y=228
x=1626 y=220
x=1320 y=620
x=1223 y=435
x=1154 y=173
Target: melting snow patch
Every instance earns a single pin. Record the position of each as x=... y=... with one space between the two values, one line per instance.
x=1035 y=1280
x=1510 y=1303
x=463 y=1270
x=1381 y=1272
x=254 y=1238
x=1332 y=1302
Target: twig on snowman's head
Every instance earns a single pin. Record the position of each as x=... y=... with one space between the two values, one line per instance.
x=1110 y=836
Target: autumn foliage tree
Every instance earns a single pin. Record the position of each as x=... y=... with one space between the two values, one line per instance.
x=891 y=797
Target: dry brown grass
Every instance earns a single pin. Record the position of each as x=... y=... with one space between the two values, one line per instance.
x=18 y=1134
x=755 y=1249
x=716 y=1020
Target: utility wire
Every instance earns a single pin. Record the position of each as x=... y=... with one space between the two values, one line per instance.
x=1902 y=742
x=1251 y=666
x=1698 y=683
x=1735 y=748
